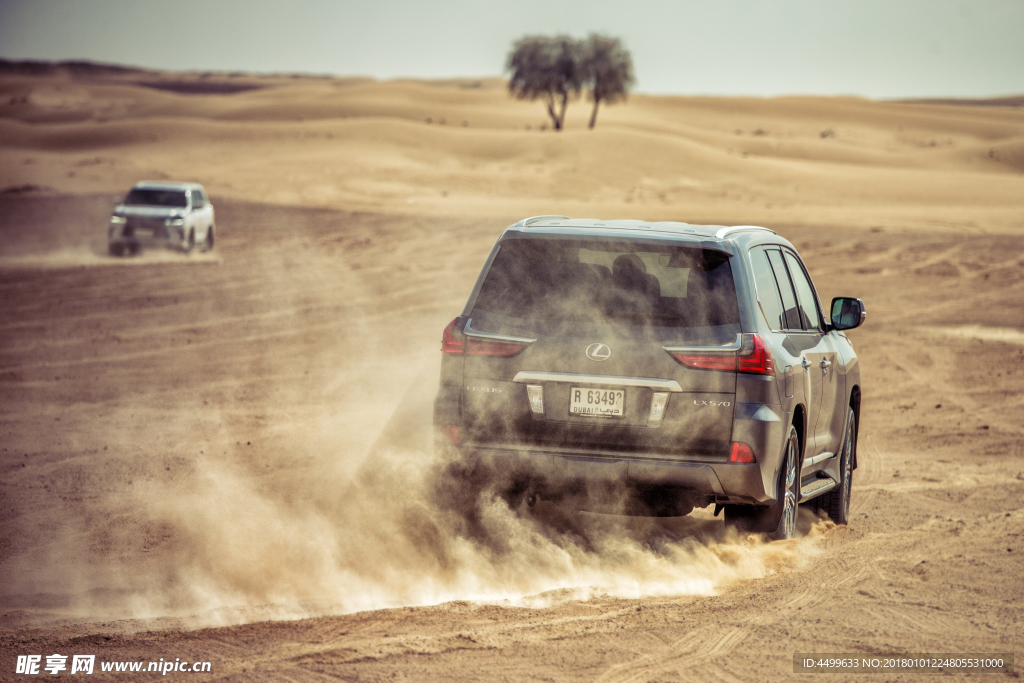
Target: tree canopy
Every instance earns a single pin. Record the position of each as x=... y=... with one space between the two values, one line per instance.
x=556 y=69
x=608 y=71
x=549 y=69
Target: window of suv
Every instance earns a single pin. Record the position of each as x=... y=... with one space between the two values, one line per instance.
x=767 y=289
x=791 y=313
x=601 y=281
x=151 y=197
x=804 y=293
x=198 y=200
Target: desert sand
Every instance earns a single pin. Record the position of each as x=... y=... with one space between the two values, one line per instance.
x=226 y=456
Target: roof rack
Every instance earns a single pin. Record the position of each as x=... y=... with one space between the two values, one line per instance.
x=737 y=228
x=537 y=219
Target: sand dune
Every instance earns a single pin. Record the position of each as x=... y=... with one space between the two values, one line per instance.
x=460 y=148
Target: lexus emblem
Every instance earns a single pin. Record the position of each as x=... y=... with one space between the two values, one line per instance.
x=598 y=352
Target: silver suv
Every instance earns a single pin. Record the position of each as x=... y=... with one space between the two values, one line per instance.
x=161 y=214
x=648 y=368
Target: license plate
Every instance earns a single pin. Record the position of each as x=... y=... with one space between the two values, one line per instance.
x=597 y=402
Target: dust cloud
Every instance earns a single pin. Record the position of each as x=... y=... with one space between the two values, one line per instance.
x=81 y=256
x=239 y=546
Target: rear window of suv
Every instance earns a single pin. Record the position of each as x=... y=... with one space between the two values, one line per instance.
x=140 y=197
x=600 y=281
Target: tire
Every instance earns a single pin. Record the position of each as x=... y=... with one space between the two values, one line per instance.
x=836 y=503
x=777 y=520
x=115 y=249
x=516 y=492
x=191 y=243
x=208 y=242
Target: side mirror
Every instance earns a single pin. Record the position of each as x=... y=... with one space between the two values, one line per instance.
x=847 y=313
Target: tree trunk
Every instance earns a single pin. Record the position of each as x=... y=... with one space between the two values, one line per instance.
x=593 y=114
x=551 y=112
x=561 y=114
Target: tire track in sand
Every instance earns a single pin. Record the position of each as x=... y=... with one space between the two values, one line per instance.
x=699 y=653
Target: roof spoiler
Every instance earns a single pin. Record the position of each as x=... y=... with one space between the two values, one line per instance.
x=740 y=228
x=537 y=219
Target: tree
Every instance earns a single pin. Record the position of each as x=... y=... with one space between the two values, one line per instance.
x=547 y=68
x=607 y=70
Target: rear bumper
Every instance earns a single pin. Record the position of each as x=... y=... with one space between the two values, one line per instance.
x=722 y=482
x=762 y=426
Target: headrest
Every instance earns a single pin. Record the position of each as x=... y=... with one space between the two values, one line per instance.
x=627 y=263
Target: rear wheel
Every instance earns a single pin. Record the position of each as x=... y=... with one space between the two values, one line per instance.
x=777 y=520
x=116 y=249
x=836 y=503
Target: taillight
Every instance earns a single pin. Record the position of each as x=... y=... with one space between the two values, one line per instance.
x=741 y=452
x=451 y=434
x=452 y=339
x=754 y=357
x=707 y=361
x=486 y=348
x=455 y=342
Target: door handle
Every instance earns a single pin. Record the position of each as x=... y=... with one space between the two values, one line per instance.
x=806 y=363
x=825 y=364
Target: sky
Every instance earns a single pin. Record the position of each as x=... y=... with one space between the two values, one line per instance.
x=871 y=48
